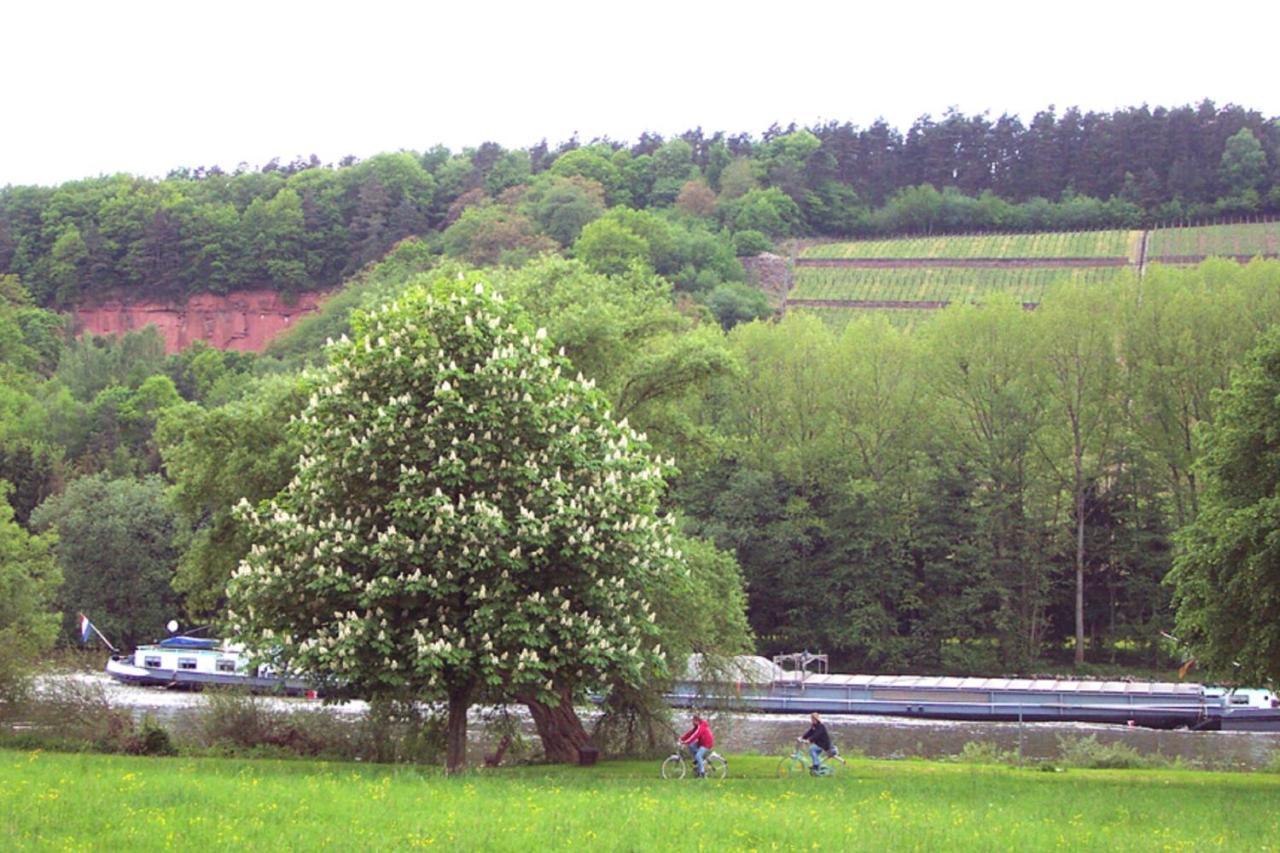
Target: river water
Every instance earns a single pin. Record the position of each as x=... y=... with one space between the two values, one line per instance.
x=873 y=736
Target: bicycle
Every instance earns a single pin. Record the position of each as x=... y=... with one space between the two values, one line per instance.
x=799 y=763
x=676 y=765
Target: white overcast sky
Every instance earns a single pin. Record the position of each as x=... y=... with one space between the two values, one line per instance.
x=143 y=87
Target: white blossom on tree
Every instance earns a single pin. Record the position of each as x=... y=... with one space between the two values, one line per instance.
x=466 y=519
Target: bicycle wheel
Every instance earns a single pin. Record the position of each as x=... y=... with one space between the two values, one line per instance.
x=717 y=767
x=673 y=768
x=792 y=766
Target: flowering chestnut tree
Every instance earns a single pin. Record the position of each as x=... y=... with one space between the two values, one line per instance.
x=467 y=520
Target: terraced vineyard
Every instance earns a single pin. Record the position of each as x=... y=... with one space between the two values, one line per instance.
x=938 y=284
x=1064 y=244
x=911 y=275
x=1241 y=240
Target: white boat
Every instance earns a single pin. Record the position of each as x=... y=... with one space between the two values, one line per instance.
x=195 y=662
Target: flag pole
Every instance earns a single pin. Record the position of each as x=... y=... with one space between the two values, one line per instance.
x=99 y=633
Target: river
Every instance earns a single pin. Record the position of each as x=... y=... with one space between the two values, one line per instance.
x=873 y=736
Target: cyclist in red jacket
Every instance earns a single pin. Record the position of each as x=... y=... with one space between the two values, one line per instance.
x=699 y=740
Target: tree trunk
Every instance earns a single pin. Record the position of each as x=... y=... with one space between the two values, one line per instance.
x=558 y=726
x=1079 y=570
x=456 y=732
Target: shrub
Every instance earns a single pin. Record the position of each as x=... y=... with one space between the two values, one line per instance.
x=1088 y=752
x=751 y=242
x=151 y=739
x=398 y=731
x=734 y=302
x=69 y=710
x=391 y=731
x=236 y=720
x=986 y=752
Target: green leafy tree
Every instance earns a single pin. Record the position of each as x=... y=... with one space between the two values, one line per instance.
x=769 y=211
x=672 y=167
x=467 y=521
x=29 y=578
x=736 y=302
x=737 y=179
x=1227 y=579
x=490 y=234
x=1077 y=368
x=610 y=248
x=989 y=411
x=115 y=548
x=596 y=163
x=563 y=206
x=623 y=332
x=216 y=458
x=68 y=262
x=1181 y=337
x=1244 y=163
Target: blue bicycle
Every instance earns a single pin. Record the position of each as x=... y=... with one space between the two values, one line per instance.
x=798 y=763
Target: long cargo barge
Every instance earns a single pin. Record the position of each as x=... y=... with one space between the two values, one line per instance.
x=757 y=684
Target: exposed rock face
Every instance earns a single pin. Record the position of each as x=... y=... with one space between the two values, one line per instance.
x=772 y=274
x=241 y=320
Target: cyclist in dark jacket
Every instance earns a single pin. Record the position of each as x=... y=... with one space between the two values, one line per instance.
x=818 y=739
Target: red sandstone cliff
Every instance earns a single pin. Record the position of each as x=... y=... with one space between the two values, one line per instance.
x=240 y=320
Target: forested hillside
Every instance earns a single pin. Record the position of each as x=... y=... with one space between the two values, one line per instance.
x=996 y=490
x=925 y=499
x=683 y=205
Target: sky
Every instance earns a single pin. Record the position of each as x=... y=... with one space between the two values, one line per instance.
x=144 y=87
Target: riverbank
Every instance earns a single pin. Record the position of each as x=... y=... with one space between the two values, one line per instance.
x=189 y=718
x=115 y=802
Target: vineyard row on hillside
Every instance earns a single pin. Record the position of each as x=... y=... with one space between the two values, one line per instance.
x=936 y=284
x=1080 y=244
x=1176 y=244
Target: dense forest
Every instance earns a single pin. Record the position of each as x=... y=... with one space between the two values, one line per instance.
x=930 y=499
x=684 y=206
x=994 y=490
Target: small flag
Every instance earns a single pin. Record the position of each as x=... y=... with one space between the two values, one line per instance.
x=85 y=628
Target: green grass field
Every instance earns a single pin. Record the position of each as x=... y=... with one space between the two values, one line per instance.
x=1245 y=239
x=1074 y=244
x=82 y=801
x=914 y=284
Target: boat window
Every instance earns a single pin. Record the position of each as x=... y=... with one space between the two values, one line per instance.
x=151 y=662
x=226 y=665
x=186 y=663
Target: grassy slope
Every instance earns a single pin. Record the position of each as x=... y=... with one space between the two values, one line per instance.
x=107 y=802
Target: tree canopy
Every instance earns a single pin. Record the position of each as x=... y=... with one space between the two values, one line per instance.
x=29 y=577
x=467 y=520
x=1227 y=579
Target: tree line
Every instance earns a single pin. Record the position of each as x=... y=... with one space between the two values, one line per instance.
x=685 y=206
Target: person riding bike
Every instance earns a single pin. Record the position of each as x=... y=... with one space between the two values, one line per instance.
x=699 y=740
x=819 y=741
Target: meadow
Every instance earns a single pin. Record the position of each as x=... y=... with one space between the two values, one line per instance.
x=943 y=284
x=1060 y=244
x=84 y=801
